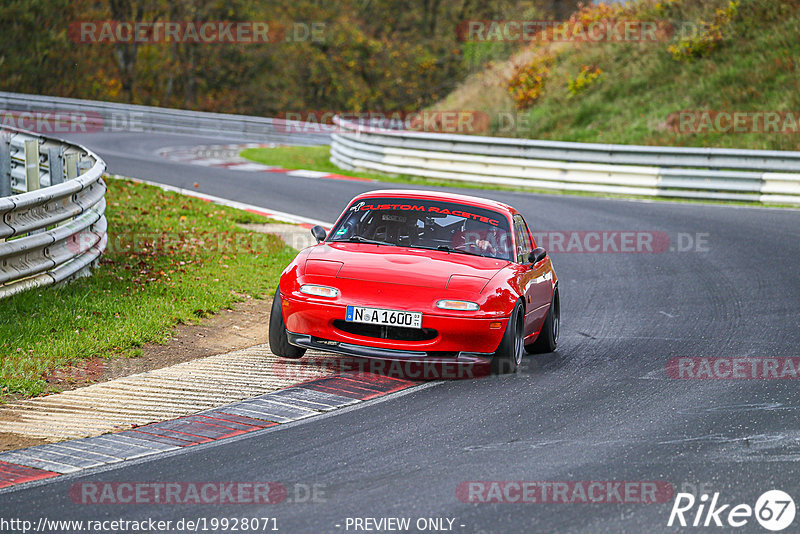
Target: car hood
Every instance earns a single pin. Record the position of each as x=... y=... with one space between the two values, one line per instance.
x=402 y=265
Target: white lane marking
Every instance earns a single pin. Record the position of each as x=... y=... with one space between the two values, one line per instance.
x=308 y=174
x=209 y=162
x=248 y=167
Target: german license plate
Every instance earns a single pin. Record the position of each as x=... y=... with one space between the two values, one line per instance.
x=359 y=314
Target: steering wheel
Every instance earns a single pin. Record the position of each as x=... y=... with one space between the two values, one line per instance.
x=472 y=246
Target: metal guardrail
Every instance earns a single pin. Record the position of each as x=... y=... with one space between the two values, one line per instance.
x=54 y=227
x=680 y=172
x=94 y=116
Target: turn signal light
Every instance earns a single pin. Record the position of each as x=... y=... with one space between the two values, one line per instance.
x=457 y=305
x=319 y=291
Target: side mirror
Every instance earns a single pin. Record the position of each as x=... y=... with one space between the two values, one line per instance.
x=319 y=233
x=537 y=255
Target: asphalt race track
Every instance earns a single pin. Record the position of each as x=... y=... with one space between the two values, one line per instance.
x=602 y=408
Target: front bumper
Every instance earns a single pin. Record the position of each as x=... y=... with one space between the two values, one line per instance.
x=405 y=364
x=457 y=335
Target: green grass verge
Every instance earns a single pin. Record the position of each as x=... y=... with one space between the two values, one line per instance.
x=311 y=158
x=171 y=259
x=316 y=158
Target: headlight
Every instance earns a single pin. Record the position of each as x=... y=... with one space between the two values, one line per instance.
x=457 y=305
x=319 y=291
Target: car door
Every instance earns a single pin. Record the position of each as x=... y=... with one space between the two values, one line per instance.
x=526 y=276
x=536 y=278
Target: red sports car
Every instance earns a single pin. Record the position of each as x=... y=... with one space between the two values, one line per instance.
x=420 y=276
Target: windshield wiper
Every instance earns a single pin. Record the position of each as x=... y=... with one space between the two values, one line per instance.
x=459 y=251
x=445 y=248
x=360 y=239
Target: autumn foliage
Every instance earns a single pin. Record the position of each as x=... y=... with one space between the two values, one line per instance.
x=382 y=55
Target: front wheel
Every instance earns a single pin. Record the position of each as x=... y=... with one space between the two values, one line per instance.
x=548 y=337
x=278 y=340
x=508 y=356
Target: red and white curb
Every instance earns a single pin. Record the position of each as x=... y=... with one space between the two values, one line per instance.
x=279 y=407
x=227 y=157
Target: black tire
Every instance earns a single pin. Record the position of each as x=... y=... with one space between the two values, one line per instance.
x=508 y=356
x=548 y=337
x=278 y=340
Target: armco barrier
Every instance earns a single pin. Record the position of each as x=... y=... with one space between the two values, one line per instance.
x=680 y=172
x=90 y=116
x=54 y=227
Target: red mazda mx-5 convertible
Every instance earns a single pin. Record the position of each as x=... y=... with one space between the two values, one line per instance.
x=420 y=276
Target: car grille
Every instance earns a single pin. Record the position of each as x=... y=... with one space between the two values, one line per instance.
x=398 y=333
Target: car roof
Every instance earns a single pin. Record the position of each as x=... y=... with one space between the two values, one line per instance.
x=439 y=195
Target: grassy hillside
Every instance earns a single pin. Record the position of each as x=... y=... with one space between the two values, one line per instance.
x=743 y=57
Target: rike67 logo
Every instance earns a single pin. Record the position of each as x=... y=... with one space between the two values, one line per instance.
x=774 y=510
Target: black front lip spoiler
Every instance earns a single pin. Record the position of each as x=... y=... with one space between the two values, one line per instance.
x=309 y=342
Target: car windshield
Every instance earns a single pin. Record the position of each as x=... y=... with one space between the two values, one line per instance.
x=429 y=224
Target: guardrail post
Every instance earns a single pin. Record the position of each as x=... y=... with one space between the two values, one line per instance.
x=71 y=161
x=83 y=166
x=56 y=166
x=32 y=165
x=5 y=168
